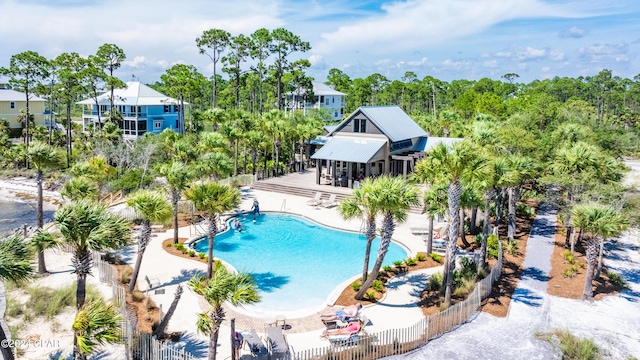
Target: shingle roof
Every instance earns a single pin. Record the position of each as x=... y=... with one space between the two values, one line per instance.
x=391 y=120
x=12 y=95
x=135 y=93
x=350 y=149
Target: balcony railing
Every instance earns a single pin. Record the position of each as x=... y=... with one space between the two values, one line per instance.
x=124 y=114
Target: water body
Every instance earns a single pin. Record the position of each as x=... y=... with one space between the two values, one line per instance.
x=14 y=214
x=296 y=262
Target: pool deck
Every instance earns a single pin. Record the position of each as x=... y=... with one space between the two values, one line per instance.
x=399 y=308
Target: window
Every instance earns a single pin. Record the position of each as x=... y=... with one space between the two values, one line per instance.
x=321 y=99
x=167 y=108
x=157 y=124
x=341 y=111
x=360 y=125
x=335 y=114
x=175 y=108
x=356 y=125
x=13 y=105
x=326 y=101
x=333 y=99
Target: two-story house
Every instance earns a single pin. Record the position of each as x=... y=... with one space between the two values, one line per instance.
x=11 y=104
x=324 y=97
x=372 y=141
x=142 y=108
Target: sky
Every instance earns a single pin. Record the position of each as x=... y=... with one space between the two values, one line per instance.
x=446 y=39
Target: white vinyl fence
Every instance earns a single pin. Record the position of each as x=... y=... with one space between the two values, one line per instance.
x=400 y=341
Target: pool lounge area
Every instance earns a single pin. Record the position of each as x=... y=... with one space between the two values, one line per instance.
x=297 y=263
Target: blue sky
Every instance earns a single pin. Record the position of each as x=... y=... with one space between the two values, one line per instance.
x=447 y=39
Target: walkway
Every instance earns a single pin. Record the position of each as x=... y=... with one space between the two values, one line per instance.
x=398 y=309
x=512 y=337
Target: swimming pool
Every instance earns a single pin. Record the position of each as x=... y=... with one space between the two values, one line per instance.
x=297 y=263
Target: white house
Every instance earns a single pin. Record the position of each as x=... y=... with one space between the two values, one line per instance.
x=324 y=97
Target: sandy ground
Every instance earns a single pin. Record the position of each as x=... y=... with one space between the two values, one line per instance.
x=613 y=323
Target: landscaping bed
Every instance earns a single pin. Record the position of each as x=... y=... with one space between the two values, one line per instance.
x=567 y=280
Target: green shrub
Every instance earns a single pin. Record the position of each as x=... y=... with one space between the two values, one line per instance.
x=192 y=253
x=511 y=246
x=573 y=347
x=421 y=257
x=410 y=261
x=465 y=287
x=568 y=257
x=477 y=239
x=386 y=268
x=47 y=302
x=398 y=263
x=436 y=257
x=169 y=244
x=371 y=295
x=202 y=255
x=570 y=272
x=616 y=279
x=525 y=210
x=492 y=246
x=179 y=246
x=184 y=250
x=377 y=285
x=435 y=282
x=356 y=286
x=130 y=181
x=469 y=268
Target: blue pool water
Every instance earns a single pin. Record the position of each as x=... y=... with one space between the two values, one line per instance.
x=296 y=263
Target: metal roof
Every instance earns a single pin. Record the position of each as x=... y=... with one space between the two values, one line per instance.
x=391 y=120
x=12 y=95
x=350 y=149
x=135 y=93
x=427 y=143
x=323 y=89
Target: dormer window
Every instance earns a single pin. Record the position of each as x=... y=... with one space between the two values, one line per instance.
x=12 y=105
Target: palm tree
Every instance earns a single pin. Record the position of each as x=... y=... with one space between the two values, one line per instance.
x=363 y=204
x=520 y=169
x=88 y=226
x=151 y=207
x=95 y=324
x=15 y=266
x=80 y=187
x=596 y=220
x=178 y=176
x=462 y=161
x=276 y=126
x=238 y=289
x=434 y=199
x=42 y=156
x=214 y=199
x=393 y=197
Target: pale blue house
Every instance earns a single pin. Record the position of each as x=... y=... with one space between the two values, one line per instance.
x=143 y=110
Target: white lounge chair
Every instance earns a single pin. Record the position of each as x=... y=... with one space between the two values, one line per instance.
x=278 y=347
x=331 y=202
x=316 y=200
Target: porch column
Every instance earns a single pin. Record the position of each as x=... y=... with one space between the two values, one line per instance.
x=349 y=175
x=318 y=171
x=333 y=173
x=404 y=169
x=367 y=169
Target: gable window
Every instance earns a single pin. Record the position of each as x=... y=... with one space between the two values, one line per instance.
x=12 y=105
x=359 y=125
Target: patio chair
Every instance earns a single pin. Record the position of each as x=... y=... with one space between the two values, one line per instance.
x=254 y=343
x=278 y=347
x=316 y=200
x=331 y=202
x=341 y=323
x=349 y=339
x=153 y=284
x=420 y=230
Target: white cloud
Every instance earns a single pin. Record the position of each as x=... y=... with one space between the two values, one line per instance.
x=422 y=62
x=137 y=62
x=415 y=24
x=556 y=55
x=490 y=64
x=529 y=53
x=317 y=61
x=573 y=32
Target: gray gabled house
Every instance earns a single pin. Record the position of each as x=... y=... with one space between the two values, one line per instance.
x=373 y=140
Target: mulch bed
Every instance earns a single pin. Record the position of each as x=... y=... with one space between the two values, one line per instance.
x=347 y=297
x=572 y=287
x=167 y=245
